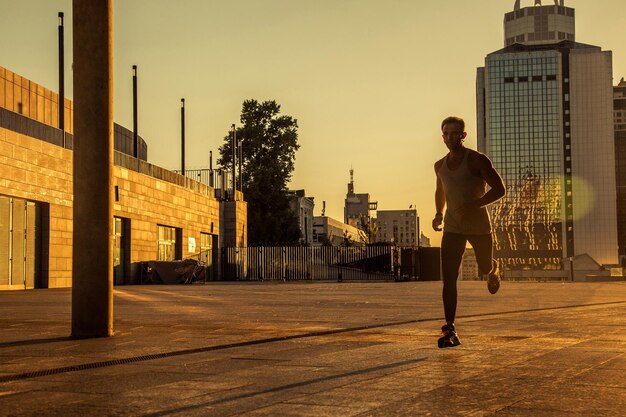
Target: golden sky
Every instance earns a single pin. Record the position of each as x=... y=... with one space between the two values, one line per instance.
x=368 y=80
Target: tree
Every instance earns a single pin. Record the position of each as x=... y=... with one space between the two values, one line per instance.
x=269 y=144
x=347 y=240
x=368 y=228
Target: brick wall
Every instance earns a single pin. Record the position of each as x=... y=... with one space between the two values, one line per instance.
x=37 y=171
x=34 y=170
x=234 y=220
x=148 y=202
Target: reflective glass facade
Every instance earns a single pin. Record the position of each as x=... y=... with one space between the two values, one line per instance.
x=524 y=140
x=619 y=102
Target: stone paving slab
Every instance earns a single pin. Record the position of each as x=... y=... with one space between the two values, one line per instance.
x=319 y=349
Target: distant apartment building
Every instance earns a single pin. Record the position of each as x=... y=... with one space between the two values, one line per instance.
x=400 y=227
x=302 y=206
x=328 y=231
x=357 y=207
x=545 y=118
x=619 y=109
x=157 y=214
x=469 y=267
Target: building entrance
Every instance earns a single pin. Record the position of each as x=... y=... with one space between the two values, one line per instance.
x=19 y=236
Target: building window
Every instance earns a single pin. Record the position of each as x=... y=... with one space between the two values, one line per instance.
x=206 y=244
x=166 y=243
x=117 y=241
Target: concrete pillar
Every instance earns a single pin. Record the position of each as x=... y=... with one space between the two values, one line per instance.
x=92 y=269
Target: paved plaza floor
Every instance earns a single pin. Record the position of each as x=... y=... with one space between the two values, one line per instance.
x=320 y=349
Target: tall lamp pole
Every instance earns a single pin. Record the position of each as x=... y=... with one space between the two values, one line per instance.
x=135 y=134
x=211 y=169
x=240 y=164
x=182 y=136
x=234 y=152
x=61 y=78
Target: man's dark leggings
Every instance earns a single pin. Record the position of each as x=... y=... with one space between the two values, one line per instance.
x=452 y=249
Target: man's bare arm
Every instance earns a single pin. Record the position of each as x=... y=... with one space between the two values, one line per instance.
x=440 y=201
x=493 y=180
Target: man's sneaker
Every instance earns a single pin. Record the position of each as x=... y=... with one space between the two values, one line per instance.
x=448 y=338
x=493 y=279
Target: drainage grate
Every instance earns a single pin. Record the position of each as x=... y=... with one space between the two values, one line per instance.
x=143 y=358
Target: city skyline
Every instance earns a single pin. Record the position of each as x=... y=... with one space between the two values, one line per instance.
x=369 y=82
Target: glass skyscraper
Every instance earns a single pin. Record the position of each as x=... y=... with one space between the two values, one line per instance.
x=619 y=95
x=543 y=105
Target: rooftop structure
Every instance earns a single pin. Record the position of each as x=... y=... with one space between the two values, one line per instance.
x=539 y=24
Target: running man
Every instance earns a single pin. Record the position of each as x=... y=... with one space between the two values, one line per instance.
x=462 y=176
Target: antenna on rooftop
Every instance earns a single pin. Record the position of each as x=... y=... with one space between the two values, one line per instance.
x=351 y=183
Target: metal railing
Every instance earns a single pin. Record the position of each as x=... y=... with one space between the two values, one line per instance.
x=288 y=263
x=219 y=179
x=320 y=263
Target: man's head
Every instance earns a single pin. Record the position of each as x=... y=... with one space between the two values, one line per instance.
x=453 y=132
x=453 y=120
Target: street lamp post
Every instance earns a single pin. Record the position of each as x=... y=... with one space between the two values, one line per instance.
x=211 y=184
x=234 y=156
x=135 y=123
x=182 y=136
x=240 y=148
x=61 y=78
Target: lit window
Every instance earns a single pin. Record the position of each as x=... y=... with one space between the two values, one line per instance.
x=206 y=244
x=166 y=243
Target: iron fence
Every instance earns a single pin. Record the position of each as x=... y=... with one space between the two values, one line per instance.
x=337 y=263
x=288 y=263
x=219 y=179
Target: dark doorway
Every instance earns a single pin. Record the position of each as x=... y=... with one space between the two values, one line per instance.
x=121 y=251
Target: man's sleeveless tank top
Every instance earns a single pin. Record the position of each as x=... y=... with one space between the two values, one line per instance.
x=461 y=186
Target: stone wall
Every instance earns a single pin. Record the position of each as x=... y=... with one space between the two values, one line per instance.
x=34 y=170
x=149 y=202
x=234 y=220
x=40 y=172
x=36 y=165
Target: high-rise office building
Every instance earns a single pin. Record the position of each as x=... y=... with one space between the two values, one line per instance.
x=619 y=106
x=545 y=118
